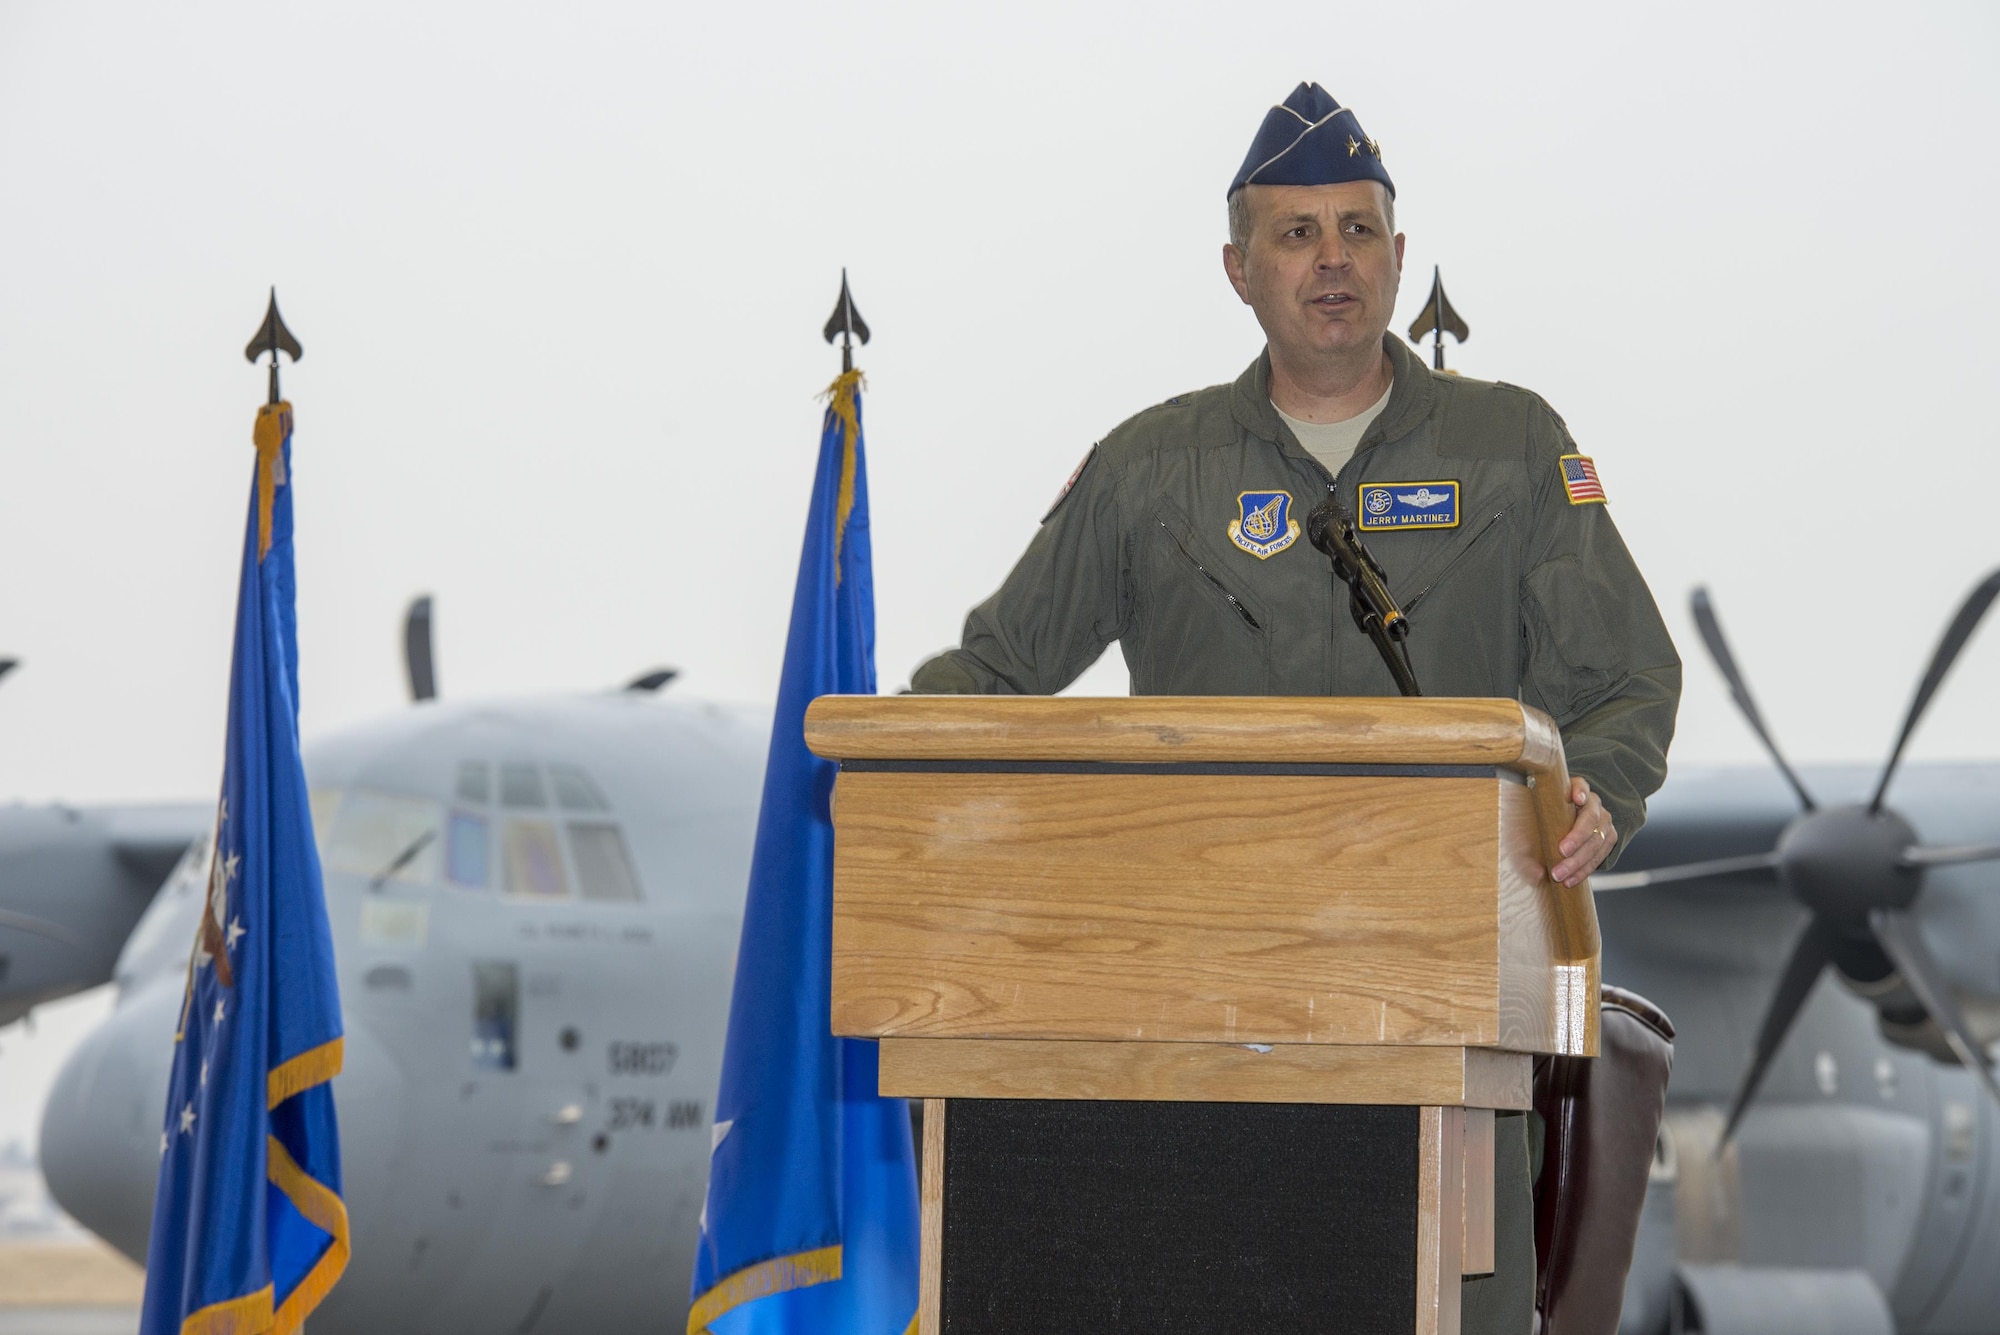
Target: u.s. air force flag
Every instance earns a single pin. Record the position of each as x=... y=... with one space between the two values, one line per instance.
x=249 y=1232
x=810 y=1227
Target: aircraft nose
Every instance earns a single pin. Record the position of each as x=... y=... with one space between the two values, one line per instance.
x=101 y=1128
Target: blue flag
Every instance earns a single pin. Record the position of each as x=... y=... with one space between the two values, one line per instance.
x=810 y=1227
x=249 y=1232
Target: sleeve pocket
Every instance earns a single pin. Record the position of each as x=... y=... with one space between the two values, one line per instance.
x=1573 y=659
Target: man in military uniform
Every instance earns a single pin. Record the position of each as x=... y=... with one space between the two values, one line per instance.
x=1181 y=537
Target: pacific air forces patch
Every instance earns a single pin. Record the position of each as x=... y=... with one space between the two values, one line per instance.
x=1264 y=525
x=1389 y=505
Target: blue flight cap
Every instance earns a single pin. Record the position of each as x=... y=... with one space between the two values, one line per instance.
x=1310 y=139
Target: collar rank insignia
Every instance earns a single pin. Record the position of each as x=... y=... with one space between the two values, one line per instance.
x=1265 y=526
x=1389 y=505
x=1580 y=480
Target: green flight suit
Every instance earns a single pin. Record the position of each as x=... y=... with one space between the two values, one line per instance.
x=1528 y=596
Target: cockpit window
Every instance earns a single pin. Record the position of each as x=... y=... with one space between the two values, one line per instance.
x=474 y=783
x=385 y=835
x=467 y=850
x=575 y=791
x=603 y=866
x=532 y=859
x=521 y=786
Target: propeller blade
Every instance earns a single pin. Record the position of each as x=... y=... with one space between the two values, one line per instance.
x=417 y=649
x=25 y=922
x=1955 y=635
x=1739 y=691
x=653 y=680
x=1917 y=855
x=1813 y=949
x=8 y=665
x=1686 y=871
x=1902 y=941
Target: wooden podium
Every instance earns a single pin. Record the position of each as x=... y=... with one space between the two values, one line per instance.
x=1298 y=950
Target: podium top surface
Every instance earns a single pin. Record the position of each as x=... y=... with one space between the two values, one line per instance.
x=1164 y=729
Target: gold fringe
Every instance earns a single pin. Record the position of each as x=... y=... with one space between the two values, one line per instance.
x=314 y=1066
x=274 y=423
x=248 y=1315
x=911 y=1329
x=843 y=391
x=328 y=1213
x=779 y=1275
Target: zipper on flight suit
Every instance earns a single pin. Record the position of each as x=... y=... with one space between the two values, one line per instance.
x=1453 y=564
x=1217 y=584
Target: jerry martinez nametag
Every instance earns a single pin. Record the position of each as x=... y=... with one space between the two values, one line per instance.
x=1383 y=505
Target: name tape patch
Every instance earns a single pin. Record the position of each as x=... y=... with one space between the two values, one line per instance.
x=1580 y=480
x=1387 y=505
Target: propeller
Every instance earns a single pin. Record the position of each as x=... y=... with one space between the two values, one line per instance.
x=1857 y=870
x=1956 y=634
x=417 y=660
x=652 y=681
x=8 y=665
x=54 y=931
x=1739 y=690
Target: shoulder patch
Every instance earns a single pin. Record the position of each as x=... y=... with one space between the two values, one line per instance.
x=1063 y=495
x=1579 y=477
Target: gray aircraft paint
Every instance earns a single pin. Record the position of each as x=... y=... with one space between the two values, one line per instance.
x=1860 y=1157
x=73 y=881
x=563 y=1193
x=479 y=1202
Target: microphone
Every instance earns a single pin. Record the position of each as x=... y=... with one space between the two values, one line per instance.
x=1329 y=529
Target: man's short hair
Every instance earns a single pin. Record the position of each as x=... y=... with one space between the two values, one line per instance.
x=1239 y=218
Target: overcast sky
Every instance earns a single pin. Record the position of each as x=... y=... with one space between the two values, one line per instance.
x=560 y=272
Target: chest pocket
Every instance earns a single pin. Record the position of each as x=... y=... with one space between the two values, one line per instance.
x=1573 y=658
x=1186 y=571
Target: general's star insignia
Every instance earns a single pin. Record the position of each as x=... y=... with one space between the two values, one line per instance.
x=1374 y=148
x=1353 y=146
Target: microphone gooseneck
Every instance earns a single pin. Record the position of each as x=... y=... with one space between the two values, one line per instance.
x=1373 y=607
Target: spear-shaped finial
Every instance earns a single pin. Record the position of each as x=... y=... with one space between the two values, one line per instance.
x=848 y=324
x=273 y=337
x=1437 y=319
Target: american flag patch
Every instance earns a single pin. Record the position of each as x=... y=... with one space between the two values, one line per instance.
x=1580 y=480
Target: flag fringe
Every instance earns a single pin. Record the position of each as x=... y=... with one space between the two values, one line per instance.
x=781 y=1274
x=325 y=1211
x=314 y=1066
x=248 y=1315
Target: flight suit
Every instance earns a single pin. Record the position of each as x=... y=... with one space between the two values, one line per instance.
x=1526 y=596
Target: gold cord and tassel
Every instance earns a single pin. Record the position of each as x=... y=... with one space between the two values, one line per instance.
x=274 y=425
x=844 y=403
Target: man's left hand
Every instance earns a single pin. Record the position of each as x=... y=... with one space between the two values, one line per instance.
x=1589 y=841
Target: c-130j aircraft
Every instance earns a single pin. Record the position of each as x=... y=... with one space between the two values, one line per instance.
x=536 y=904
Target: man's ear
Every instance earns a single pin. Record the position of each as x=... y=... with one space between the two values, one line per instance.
x=1232 y=264
x=1399 y=252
